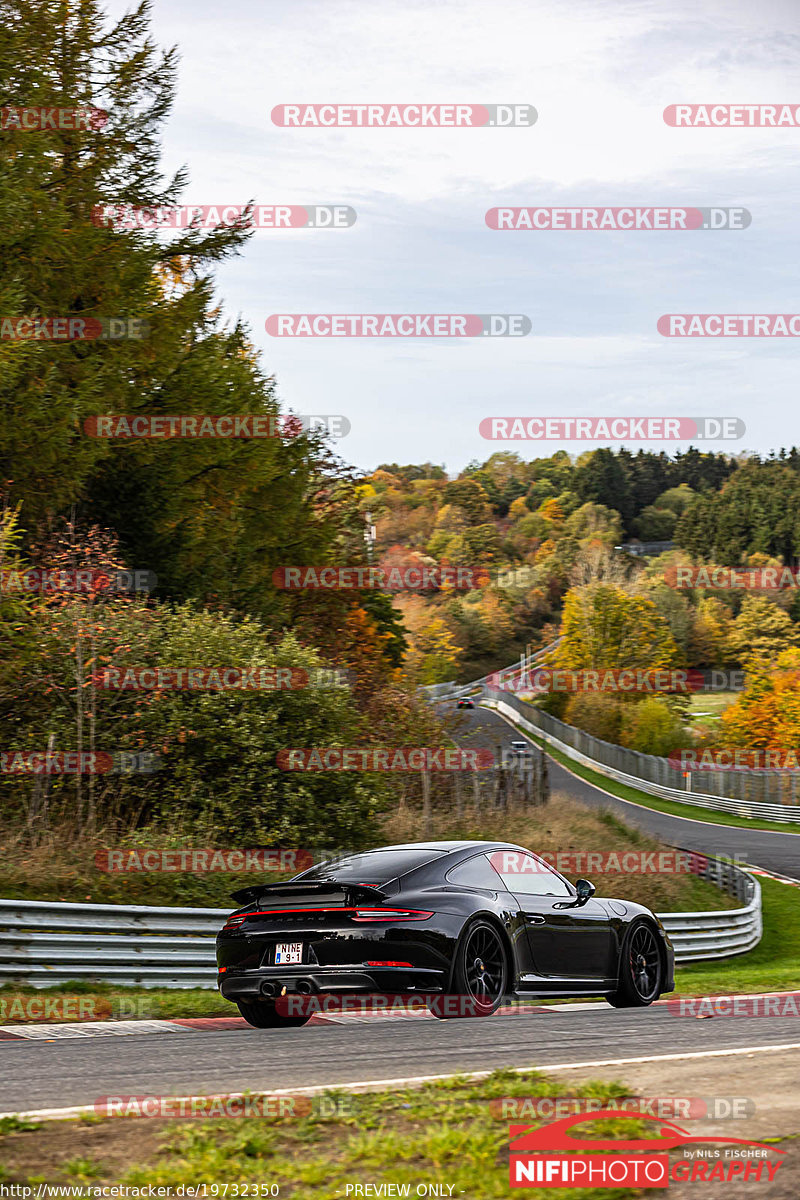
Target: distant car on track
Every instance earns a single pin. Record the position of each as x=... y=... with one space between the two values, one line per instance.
x=475 y=920
x=465 y=702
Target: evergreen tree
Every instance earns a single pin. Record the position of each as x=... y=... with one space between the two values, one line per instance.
x=211 y=517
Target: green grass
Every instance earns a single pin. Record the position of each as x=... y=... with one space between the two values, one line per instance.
x=621 y=790
x=773 y=966
x=442 y=1133
x=713 y=703
x=110 y=1002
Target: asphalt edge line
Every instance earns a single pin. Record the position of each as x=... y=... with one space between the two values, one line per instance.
x=380 y=1085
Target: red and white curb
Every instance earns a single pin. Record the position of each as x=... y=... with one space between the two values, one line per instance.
x=48 y=1033
x=41 y=1032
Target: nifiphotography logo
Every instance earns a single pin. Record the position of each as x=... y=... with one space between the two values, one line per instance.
x=631 y=1162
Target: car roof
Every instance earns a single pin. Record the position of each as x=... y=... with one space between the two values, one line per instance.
x=444 y=847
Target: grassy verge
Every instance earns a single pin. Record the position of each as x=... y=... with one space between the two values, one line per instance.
x=773 y=966
x=692 y=812
x=710 y=704
x=85 y=1000
x=443 y=1133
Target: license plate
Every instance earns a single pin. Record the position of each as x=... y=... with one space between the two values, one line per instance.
x=288 y=952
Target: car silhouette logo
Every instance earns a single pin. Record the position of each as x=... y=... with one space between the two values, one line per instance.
x=556 y=1136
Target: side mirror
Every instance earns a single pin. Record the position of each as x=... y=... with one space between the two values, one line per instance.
x=585 y=890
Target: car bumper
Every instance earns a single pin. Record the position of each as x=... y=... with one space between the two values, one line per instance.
x=269 y=981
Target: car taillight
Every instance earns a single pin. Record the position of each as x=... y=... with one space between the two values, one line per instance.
x=233 y=923
x=390 y=914
x=388 y=964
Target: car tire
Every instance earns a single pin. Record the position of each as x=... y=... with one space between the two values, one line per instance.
x=481 y=940
x=641 y=969
x=261 y=1014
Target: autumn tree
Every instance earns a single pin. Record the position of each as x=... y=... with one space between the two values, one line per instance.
x=767 y=713
x=762 y=631
x=604 y=626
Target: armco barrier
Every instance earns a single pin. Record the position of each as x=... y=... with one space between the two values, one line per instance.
x=43 y=943
x=747 y=791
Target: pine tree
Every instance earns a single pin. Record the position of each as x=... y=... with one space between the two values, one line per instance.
x=214 y=517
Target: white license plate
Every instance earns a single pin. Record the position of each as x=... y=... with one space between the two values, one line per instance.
x=288 y=952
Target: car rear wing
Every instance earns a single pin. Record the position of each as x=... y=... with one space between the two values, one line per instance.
x=354 y=892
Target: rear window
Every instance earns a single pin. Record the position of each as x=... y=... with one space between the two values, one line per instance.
x=376 y=866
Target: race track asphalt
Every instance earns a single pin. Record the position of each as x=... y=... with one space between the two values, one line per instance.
x=39 y=1075
x=778 y=852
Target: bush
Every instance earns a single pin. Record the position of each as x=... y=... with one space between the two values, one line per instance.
x=218 y=750
x=652 y=727
x=596 y=713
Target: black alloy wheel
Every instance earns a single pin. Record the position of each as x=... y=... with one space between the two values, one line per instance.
x=480 y=976
x=640 y=969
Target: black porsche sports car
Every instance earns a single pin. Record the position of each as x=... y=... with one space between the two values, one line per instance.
x=465 y=702
x=477 y=920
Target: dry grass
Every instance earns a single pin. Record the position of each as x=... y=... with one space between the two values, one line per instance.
x=566 y=825
x=60 y=868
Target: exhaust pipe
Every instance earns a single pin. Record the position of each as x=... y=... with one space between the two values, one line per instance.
x=305 y=987
x=268 y=988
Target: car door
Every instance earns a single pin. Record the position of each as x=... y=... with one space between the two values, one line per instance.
x=566 y=941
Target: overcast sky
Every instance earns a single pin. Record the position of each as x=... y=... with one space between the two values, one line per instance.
x=600 y=73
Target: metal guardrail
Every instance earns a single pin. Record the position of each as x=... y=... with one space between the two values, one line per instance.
x=656 y=776
x=44 y=943
x=436 y=690
x=439 y=691
x=703 y=935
